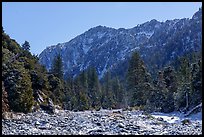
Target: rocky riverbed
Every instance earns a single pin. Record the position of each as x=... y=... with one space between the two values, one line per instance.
x=103 y=122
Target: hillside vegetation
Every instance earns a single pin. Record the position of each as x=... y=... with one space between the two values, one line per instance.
x=27 y=85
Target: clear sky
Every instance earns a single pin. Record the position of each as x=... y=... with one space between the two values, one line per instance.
x=48 y=23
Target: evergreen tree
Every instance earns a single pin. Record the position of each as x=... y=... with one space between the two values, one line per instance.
x=196 y=93
x=94 y=90
x=172 y=86
x=72 y=94
x=73 y=103
x=83 y=77
x=10 y=44
x=57 y=67
x=138 y=81
x=5 y=106
x=26 y=46
x=118 y=92
x=57 y=88
x=83 y=95
x=108 y=95
x=181 y=97
x=24 y=78
x=68 y=93
x=19 y=87
x=83 y=102
x=156 y=98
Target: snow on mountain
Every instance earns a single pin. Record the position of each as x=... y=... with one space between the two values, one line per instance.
x=105 y=47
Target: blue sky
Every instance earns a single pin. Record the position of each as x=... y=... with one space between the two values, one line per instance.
x=48 y=23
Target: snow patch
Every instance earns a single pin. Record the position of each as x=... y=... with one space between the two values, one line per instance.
x=149 y=46
x=148 y=34
x=103 y=71
x=62 y=45
x=86 y=48
x=100 y=35
x=90 y=40
x=177 y=117
x=136 y=48
x=104 y=43
x=157 y=26
x=173 y=54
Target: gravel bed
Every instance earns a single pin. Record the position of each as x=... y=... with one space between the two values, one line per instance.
x=103 y=122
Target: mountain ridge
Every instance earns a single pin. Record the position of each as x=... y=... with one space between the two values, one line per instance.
x=105 y=47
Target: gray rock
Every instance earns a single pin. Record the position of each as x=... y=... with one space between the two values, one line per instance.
x=98 y=124
x=121 y=125
x=37 y=123
x=104 y=122
x=160 y=119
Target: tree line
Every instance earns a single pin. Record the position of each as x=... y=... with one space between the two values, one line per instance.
x=26 y=84
x=175 y=88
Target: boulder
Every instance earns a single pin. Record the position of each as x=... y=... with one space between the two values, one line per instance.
x=160 y=119
x=186 y=122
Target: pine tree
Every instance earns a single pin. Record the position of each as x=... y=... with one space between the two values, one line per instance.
x=181 y=97
x=108 y=95
x=73 y=103
x=24 y=77
x=26 y=46
x=73 y=94
x=83 y=77
x=57 y=88
x=68 y=93
x=138 y=81
x=118 y=92
x=94 y=90
x=83 y=101
x=57 y=67
x=156 y=98
x=196 y=93
x=172 y=86
x=39 y=80
x=19 y=87
x=5 y=106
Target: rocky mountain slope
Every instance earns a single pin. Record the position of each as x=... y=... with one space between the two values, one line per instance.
x=158 y=43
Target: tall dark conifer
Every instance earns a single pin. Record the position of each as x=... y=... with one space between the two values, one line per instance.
x=57 y=67
x=108 y=95
x=138 y=81
x=26 y=46
x=94 y=88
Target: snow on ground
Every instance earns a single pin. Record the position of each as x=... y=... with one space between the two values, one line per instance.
x=177 y=117
x=102 y=122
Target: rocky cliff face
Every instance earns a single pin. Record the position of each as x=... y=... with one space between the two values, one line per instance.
x=107 y=48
